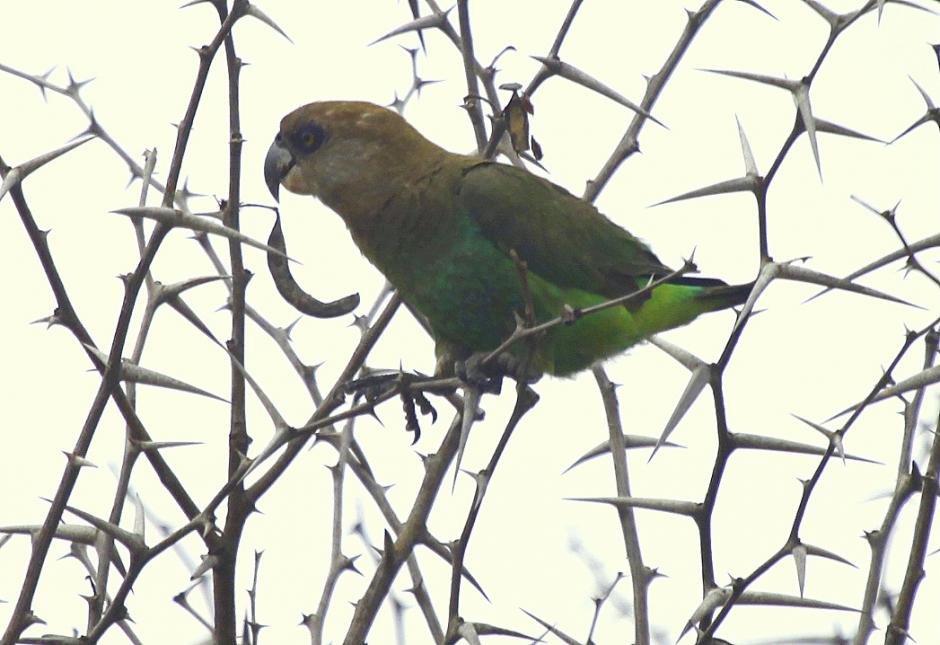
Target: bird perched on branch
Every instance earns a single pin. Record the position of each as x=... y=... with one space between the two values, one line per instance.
x=474 y=245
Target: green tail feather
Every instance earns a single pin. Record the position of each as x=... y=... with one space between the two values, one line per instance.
x=569 y=349
x=722 y=297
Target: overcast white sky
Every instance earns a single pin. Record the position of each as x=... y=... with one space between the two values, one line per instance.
x=808 y=359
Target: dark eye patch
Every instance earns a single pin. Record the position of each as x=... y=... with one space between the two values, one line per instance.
x=308 y=138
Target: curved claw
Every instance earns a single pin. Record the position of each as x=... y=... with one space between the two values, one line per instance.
x=292 y=292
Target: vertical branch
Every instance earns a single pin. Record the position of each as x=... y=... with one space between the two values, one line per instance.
x=66 y=315
x=206 y=56
x=878 y=541
x=897 y=633
x=809 y=486
x=363 y=472
x=469 y=65
x=338 y=562
x=704 y=519
x=19 y=618
x=150 y=163
x=347 y=444
x=230 y=215
x=763 y=245
x=105 y=545
x=640 y=574
x=526 y=398
x=396 y=552
x=905 y=486
x=239 y=506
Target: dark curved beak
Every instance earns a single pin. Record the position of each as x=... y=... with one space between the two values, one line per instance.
x=277 y=163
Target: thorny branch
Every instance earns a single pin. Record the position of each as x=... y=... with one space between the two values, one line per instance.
x=223 y=546
x=19 y=621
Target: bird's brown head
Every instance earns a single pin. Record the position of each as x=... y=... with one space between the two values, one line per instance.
x=343 y=152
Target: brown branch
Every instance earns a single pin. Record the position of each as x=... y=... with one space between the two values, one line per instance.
x=808 y=488
x=239 y=506
x=397 y=551
x=332 y=400
x=629 y=143
x=109 y=379
x=897 y=633
x=526 y=398
x=640 y=574
x=474 y=108
x=904 y=487
x=105 y=545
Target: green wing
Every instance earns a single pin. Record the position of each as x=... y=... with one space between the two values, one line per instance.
x=563 y=239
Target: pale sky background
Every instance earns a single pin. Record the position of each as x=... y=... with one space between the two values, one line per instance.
x=809 y=359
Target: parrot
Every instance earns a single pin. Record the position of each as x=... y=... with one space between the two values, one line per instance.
x=449 y=231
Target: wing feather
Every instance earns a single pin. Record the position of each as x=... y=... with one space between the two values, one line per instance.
x=563 y=239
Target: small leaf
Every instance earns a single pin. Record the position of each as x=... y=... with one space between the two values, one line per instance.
x=516 y=113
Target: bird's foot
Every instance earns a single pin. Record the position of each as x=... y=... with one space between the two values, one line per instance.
x=380 y=382
x=375 y=384
x=488 y=375
x=474 y=372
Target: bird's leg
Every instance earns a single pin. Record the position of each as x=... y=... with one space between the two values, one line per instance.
x=475 y=371
x=488 y=374
x=469 y=368
x=522 y=270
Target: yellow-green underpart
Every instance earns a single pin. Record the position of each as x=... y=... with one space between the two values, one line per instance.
x=569 y=348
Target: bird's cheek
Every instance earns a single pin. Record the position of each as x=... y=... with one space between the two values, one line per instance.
x=295 y=182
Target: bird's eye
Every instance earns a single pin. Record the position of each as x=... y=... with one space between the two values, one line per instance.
x=309 y=138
